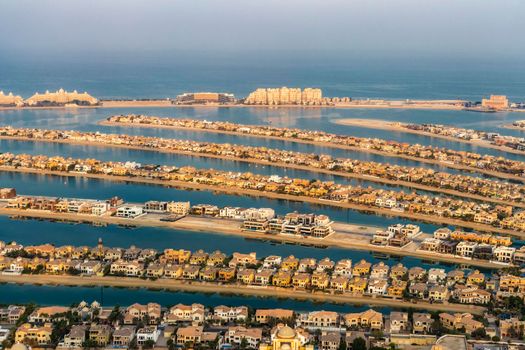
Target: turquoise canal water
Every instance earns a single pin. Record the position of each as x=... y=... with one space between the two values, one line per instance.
x=305 y=118
x=104 y=82
x=102 y=189
x=87 y=119
x=40 y=231
x=28 y=232
x=62 y=295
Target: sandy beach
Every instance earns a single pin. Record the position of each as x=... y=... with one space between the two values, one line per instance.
x=332 y=145
x=375 y=179
x=347 y=236
x=356 y=104
x=393 y=105
x=103 y=104
x=136 y=103
x=235 y=289
x=165 y=102
x=272 y=195
x=393 y=126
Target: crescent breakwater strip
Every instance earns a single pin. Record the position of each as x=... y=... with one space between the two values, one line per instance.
x=438 y=209
x=477 y=188
x=474 y=162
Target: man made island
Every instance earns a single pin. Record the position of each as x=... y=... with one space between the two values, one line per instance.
x=506 y=143
x=249 y=274
x=270 y=97
x=470 y=161
x=484 y=250
x=83 y=325
x=437 y=209
x=471 y=187
x=518 y=125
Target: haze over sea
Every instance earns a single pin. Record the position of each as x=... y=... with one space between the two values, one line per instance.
x=160 y=75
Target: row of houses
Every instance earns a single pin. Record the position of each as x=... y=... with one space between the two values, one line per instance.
x=117 y=207
x=468 y=134
x=473 y=250
x=440 y=180
x=325 y=191
x=308 y=274
x=458 y=235
x=445 y=241
x=192 y=325
x=465 y=158
x=312 y=225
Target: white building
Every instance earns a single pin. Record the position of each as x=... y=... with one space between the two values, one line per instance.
x=377 y=287
x=504 y=254
x=272 y=261
x=127 y=268
x=258 y=214
x=410 y=230
x=385 y=202
x=231 y=212
x=130 y=211
x=17 y=266
x=395 y=228
x=145 y=334
x=324 y=320
x=442 y=233
x=74 y=206
x=398 y=321
x=4 y=333
x=466 y=249
x=436 y=275
x=379 y=271
x=343 y=268
x=252 y=336
x=132 y=165
x=90 y=267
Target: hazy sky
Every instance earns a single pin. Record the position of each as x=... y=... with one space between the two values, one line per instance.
x=350 y=28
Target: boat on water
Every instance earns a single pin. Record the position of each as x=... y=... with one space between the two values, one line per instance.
x=480 y=109
x=381 y=256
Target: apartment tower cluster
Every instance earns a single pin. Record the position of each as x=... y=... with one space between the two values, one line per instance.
x=285 y=96
x=496 y=102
